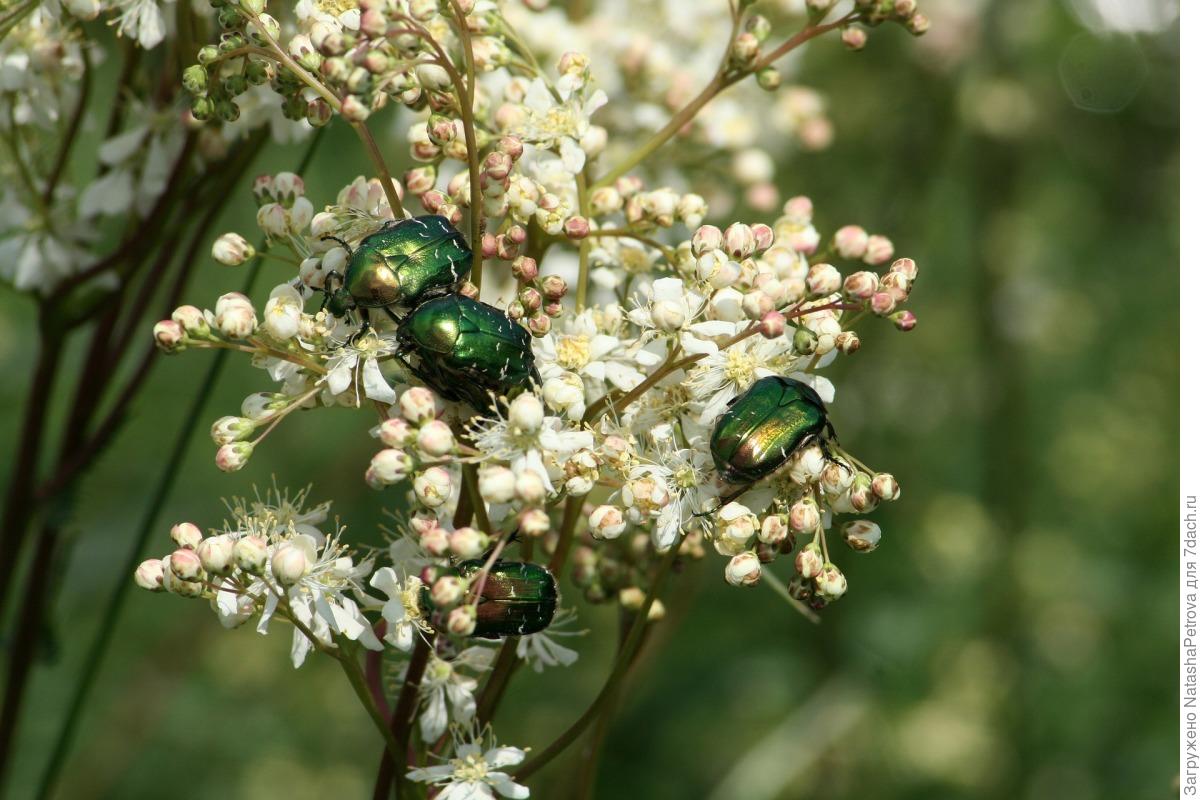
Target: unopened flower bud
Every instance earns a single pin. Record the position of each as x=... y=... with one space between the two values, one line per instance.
x=395 y=433
x=906 y=267
x=497 y=484
x=740 y=241
x=529 y=488
x=417 y=404
x=804 y=341
x=904 y=320
x=185 y=564
x=526 y=412
x=448 y=590
x=606 y=200
x=836 y=478
x=885 y=486
x=576 y=227
x=882 y=303
x=524 y=269
x=862 y=535
x=216 y=554
x=193 y=321
x=745 y=49
x=631 y=598
x=231 y=429
x=769 y=78
x=706 y=239
x=823 y=280
x=850 y=241
x=554 y=287
x=231 y=249
x=774 y=529
x=809 y=561
x=744 y=569
x=830 y=582
x=435 y=438
x=250 y=554
x=461 y=620
x=232 y=457
x=185 y=534
x=235 y=316
x=917 y=24
x=433 y=487
x=467 y=543
x=805 y=517
x=847 y=342
x=879 y=250
x=606 y=522
x=149 y=575
x=854 y=38
x=861 y=284
x=169 y=336
x=289 y=564
x=773 y=324
x=533 y=523
x=435 y=541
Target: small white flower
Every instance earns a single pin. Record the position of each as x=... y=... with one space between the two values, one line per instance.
x=473 y=773
x=539 y=650
x=402 y=611
x=361 y=358
x=525 y=450
x=141 y=19
x=670 y=309
x=561 y=126
x=446 y=692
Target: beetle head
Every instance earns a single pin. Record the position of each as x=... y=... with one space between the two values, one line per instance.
x=341 y=302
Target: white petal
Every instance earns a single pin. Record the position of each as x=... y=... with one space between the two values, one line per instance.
x=376 y=386
x=823 y=386
x=338 y=379
x=504 y=756
x=385 y=581
x=434 y=718
x=692 y=346
x=507 y=786
x=623 y=376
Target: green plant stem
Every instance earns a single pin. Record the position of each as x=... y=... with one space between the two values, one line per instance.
x=615 y=678
x=354 y=674
x=724 y=78
x=493 y=690
x=401 y=723
x=166 y=482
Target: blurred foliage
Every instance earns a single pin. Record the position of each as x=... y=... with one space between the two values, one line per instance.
x=1012 y=637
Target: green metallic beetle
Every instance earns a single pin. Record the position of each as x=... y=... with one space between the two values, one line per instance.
x=519 y=598
x=764 y=426
x=467 y=350
x=407 y=261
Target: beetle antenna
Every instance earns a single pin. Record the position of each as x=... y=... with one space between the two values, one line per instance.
x=342 y=242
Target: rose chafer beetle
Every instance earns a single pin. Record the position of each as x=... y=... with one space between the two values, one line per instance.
x=405 y=262
x=518 y=598
x=467 y=350
x=763 y=427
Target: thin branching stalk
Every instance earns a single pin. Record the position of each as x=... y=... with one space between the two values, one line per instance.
x=613 y=684
x=402 y=716
x=98 y=650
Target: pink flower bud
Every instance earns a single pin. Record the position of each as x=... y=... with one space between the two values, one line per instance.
x=354 y=110
x=149 y=575
x=250 y=554
x=192 y=319
x=882 y=303
x=576 y=227
x=606 y=522
x=435 y=438
x=895 y=284
x=524 y=269
x=850 y=242
x=487 y=245
x=432 y=200
x=461 y=621
x=554 y=287
x=533 y=522
x=530 y=299
x=497 y=165
x=510 y=146
x=169 y=336
x=216 y=554
x=773 y=324
x=706 y=239
x=799 y=208
x=515 y=310
x=830 y=582
x=906 y=267
x=904 y=320
x=774 y=530
x=552 y=310
x=879 y=250
x=395 y=433
x=847 y=342
x=529 y=488
x=506 y=248
x=804 y=517
x=232 y=457
x=185 y=564
x=628 y=185
x=417 y=404
x=231 y=249
x=854 y=38
x=739 y=241
x=861 y=285
x=420 y=180
x=809 y=561
x=468 y=543
x=469 y=290
x=447 y=590
x=606 y=200
x=764 y=236
x=435 y=541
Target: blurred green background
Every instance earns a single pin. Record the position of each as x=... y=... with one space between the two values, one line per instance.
x=1014 y=635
